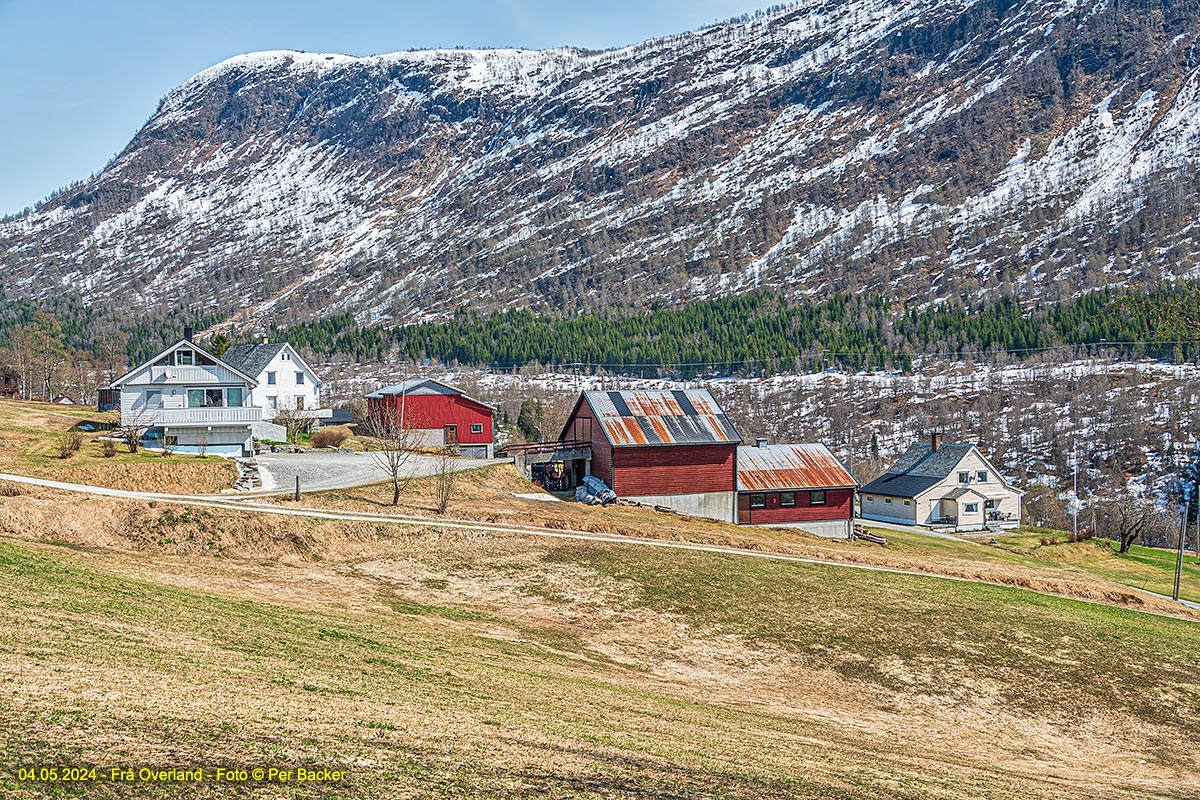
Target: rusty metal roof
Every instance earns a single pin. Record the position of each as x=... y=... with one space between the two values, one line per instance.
x=790 y=466
x=641 y=418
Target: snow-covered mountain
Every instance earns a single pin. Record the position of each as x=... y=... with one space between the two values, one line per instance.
x=922 y=148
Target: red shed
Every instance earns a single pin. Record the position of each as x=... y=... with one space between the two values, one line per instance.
x=444 y=415
x=799 y=485
x=668 y=448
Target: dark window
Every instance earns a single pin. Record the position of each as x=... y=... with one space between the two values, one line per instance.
x=299 y=378
x=816 y=498
x=270 y=378
x=964 y=477
x=758 y=501
x=476 y=427
x=981 y=476
x=787 y=499
x=971 y=508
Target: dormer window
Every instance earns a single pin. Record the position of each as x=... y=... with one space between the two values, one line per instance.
x=185 y=358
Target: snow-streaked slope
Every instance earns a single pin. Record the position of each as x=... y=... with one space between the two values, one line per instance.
x=923 y=148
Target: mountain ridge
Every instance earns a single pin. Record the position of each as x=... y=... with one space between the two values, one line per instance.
x=923 y=149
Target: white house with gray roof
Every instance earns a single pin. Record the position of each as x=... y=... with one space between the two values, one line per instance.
x=189 y=398
x=942 y=484
x=194 y=400
x=283 y=381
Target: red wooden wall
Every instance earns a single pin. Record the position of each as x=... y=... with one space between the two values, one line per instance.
x=436 y=411
x=839 y=505
x=674 y=469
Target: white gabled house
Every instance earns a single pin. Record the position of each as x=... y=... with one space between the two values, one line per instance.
x=283 y=380
x=942 y=484
x=192 y=399
x=195 y=400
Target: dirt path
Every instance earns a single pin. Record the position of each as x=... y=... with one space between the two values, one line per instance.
x=449 y=523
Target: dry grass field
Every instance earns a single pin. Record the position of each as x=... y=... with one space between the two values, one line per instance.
x=30 y=437
x=433 y=663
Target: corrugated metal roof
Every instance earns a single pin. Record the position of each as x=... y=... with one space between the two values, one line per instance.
x=639 y=418
x=790 y=466
x=422 y=386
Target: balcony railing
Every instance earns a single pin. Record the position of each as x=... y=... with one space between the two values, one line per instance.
x=184 y=417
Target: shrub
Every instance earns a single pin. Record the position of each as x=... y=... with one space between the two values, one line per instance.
x=11 y=490
x=70 y=444
x=108 y=448
x=332 y=437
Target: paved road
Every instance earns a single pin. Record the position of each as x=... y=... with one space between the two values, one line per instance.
x=229 y=503
x=321 y=470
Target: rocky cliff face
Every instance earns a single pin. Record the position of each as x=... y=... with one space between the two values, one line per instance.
x=921 y=148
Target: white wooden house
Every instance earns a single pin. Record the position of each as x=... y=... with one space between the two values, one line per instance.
x=937 y=484
x=191 y=399
x=283 y=380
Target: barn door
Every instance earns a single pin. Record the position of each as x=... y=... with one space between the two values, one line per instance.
x=451 y=435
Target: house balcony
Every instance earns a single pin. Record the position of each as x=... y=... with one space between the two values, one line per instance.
x=200 y=417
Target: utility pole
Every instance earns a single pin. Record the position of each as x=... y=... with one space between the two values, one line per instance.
x=1075 y=490
x=1179 y=559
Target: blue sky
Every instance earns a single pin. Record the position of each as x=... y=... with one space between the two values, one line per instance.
x=77 y=79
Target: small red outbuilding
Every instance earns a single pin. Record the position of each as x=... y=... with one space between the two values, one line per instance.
x=444 y=415
x=799 y=485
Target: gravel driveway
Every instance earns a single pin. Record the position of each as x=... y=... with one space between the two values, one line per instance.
x=334 y=470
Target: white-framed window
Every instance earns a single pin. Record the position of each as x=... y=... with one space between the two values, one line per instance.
x=787 y=499
x=981 y=476
x=908 y=502
x=270 y=379
x=299 y=378
x=285 y=356
x=272 y=401
x=869 y=499
x=964 y=477
x=476 y=427
x=153 y=398
x=185 y=358
x=758 y=501
x=816 y=498
x=971 y=508
x=887 y=499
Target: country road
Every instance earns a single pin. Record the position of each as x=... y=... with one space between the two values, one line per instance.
x=320 y=470
x=449 y=523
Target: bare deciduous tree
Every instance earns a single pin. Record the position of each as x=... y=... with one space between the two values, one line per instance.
x=292 y=419
x=396 y=444
x=444 y=477
x=133 y=427
x=1126 y=519
x=202 y=445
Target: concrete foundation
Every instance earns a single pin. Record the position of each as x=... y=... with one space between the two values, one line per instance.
x=828 y=529
x=710 y=505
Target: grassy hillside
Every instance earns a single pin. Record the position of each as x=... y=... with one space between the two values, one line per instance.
x=1146 y=568
x=30 y=438
x=473 y=664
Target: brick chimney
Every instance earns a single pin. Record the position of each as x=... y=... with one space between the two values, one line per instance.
x=935 y=441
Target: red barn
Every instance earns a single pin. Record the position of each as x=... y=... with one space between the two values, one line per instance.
x=443 y=415
x=799 y=485
x=668 y=448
